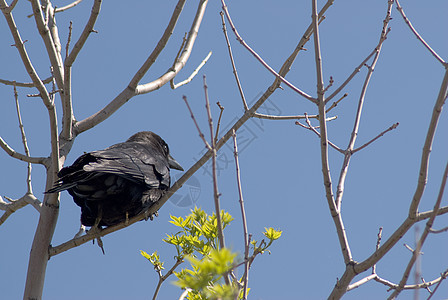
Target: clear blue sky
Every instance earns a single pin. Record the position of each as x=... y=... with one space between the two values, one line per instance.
x=280 y=162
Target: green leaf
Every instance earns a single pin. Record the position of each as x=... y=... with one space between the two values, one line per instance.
x=272 y=234
x=221 y=291
x=186 y=222
x=145 y=255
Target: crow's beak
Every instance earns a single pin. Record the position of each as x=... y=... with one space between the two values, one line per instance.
x=174 y=164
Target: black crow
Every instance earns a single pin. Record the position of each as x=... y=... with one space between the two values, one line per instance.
x=119 y=182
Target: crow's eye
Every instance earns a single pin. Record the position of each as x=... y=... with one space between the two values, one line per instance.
x=165 y=147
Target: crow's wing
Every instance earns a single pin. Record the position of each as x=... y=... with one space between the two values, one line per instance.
x=141 y=164
x=132 y=161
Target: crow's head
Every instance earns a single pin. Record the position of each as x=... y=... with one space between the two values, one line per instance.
x=149 y=137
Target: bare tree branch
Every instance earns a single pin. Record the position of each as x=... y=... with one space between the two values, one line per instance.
x=238 y=37
x=444 y=229
x=243 y=217
x=418 y=36
x=11 y=152
x=313 y=129
x=201 y=135
x=20 y=45
x=298 y=117
x=162 y=278
x=162 y=43
x=362 y=64
x=423 y=173
x=443 y=276
x=427 y=214
x=361 y=282
x=221 y=110
x=375 y=138
x=48 y=32
x=216 y=193
x=24 y=84
x=423 y=285
x=190 y=78
x=334 y=211
x=88 y=29
x=14 y=205
x=67 y=106
x=133 y=87
x=354 y=134
x=11 y=7
x=378 y=243
x=68 y=6
x=423 y=237
x=25 y=144
x=335 y=103
x=235 y=73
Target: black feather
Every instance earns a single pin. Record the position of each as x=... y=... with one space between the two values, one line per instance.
x=119 y=182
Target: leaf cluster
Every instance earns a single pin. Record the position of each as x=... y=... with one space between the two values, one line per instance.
x=197 y=242
x=198 y=232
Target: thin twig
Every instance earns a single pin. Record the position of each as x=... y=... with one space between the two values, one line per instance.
x=216 y=193
x=88 y=29
x=182 y=45
x=377 y=137
x=361 y=282
x=443 y=276
x=11 y=152
x=423 y=285
x=298 y=117
x=444 y=229
x=358 y=68
x=378 y=243
x=24 y=84
x=68 y=6
x=190 y=78
x=409 y=248
x=330 y=84
x=14 y=205
x=335 y=103
x=235 y=73
x=258 y=57
x=418 y=36
x=201 y=135
x=426 y=288
x=69 y=39
x=313 y=129
x=218 y=125
x=50 y=38
x=165 y=277
x=243 y=217
x=427 y=214
x=25 y=144
x=214 y=168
